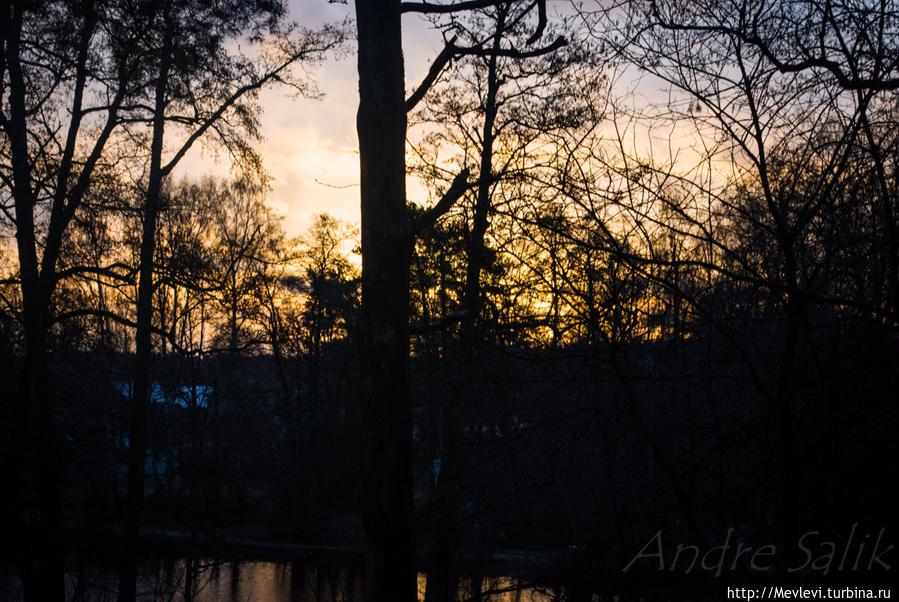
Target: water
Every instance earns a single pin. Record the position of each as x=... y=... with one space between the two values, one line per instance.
x=210 y=580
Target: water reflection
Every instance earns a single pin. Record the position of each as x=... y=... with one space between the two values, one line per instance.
x=503 y=589
x=210 y=580
x=207 y=580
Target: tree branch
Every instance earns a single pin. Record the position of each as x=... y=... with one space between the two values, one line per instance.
x=451 y=51
x=433 y=8
x=513 y=52
x=453 y=194
x=439 y=324
x=273 y=75
x=127 y=276
x=852 y=81
x=443 y=59
x=541 y=22
x=110 y=315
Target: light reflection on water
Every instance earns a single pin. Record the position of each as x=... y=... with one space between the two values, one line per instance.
x=207 y=580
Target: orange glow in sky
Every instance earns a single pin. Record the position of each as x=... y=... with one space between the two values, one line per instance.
x=309 y=147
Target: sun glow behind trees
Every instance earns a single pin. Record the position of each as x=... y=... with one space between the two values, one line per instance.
x=650 y=174
x=651 y=137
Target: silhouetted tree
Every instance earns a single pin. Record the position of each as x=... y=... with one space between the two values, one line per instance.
x=116 y=57
x=499 y=109
x=772 y=95
x=55 y=55
x=386 y=244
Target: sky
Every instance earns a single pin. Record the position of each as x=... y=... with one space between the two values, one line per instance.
x=310 y=146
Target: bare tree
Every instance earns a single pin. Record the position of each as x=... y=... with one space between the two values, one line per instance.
x=187 y=80
x=386 y=245
x=777 y=97
x=66 y=73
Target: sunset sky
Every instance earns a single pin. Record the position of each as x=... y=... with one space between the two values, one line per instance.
x=310 y=146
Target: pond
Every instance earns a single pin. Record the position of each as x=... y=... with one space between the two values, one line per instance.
x=211 y=580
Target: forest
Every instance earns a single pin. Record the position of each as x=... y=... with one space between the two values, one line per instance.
x=619 y=318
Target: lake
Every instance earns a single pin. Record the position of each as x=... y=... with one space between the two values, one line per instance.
x=211 y=580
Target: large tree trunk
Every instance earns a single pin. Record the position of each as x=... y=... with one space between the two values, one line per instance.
x=42 y=561
x=45 y=579
x=384 y=326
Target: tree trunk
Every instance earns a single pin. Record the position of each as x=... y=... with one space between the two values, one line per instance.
x=140 y=396
x=48 y=573
x=476 y=253
x=43 y=560
x=384 y=320
x=783 y=402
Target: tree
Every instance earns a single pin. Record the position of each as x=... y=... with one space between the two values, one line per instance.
x=330 y=283
x=118 y=78
x=503 y=112
x=247 y=244
x=777 y=98
x=66 y=73
x=200 y=86
x=308 y=311
x=387 y=234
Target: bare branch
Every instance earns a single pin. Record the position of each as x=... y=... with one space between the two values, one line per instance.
x=446 y=55
x=848 y=81
x=451 y=51
x=108 y=271
x=433 y=8
x=449 y=319
x=514 y=53
x=541 y=22
x=272 y=75
x=453 y=194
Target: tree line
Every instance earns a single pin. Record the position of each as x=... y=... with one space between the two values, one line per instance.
x=695 y=203
x=101 y=101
